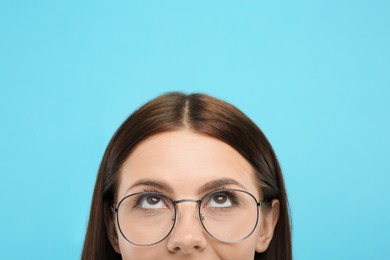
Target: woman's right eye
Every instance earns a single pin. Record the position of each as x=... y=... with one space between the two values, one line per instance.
x=152 y=202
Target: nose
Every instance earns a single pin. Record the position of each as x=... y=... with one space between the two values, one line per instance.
x=187 y=236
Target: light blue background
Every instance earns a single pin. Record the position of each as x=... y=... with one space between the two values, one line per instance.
x=314 y=75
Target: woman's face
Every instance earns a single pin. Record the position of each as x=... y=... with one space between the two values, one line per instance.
x=186 y=165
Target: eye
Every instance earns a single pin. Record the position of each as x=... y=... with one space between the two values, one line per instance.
x=220 y=200
x=152 y=201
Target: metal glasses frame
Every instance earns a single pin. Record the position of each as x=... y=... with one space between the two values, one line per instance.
x=201 y=218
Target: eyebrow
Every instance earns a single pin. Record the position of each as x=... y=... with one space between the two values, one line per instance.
x=207 y=187
x=219 y=183
x=152 y=183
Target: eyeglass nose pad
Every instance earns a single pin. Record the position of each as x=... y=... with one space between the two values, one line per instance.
x=201 y=217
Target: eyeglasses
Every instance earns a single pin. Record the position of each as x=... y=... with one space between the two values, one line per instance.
x=147 y=218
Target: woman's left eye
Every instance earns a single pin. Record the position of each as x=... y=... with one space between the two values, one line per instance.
x=220 y=201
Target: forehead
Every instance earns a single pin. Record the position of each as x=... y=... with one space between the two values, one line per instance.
x=185 y=160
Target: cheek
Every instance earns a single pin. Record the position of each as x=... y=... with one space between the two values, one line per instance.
x=244 y=250
x=131 y=252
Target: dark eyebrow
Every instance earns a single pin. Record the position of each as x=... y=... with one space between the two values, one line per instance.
x=208 y=187
x=153 y=183
x=218 y=183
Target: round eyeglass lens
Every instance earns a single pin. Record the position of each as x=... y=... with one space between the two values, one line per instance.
x=146 y=218
x=229 y=215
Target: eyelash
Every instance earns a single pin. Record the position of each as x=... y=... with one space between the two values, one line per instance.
x=223 y=188
x=151 y=190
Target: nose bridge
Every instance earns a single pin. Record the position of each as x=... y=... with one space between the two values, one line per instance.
x=187 y=235
x=188 y=209
x=187 y=200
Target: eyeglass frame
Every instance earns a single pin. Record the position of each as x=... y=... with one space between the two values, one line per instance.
x=201 y=218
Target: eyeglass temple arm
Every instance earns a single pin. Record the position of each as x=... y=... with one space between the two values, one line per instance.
x=262 y=203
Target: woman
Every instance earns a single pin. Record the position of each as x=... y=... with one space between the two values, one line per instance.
x=188 y=176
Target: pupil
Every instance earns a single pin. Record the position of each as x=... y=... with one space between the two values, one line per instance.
x=221 y=199
x=153 y=200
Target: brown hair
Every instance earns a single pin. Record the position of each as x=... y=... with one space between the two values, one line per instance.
x=202 y=114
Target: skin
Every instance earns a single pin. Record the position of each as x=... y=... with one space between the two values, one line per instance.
x=186 y=161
